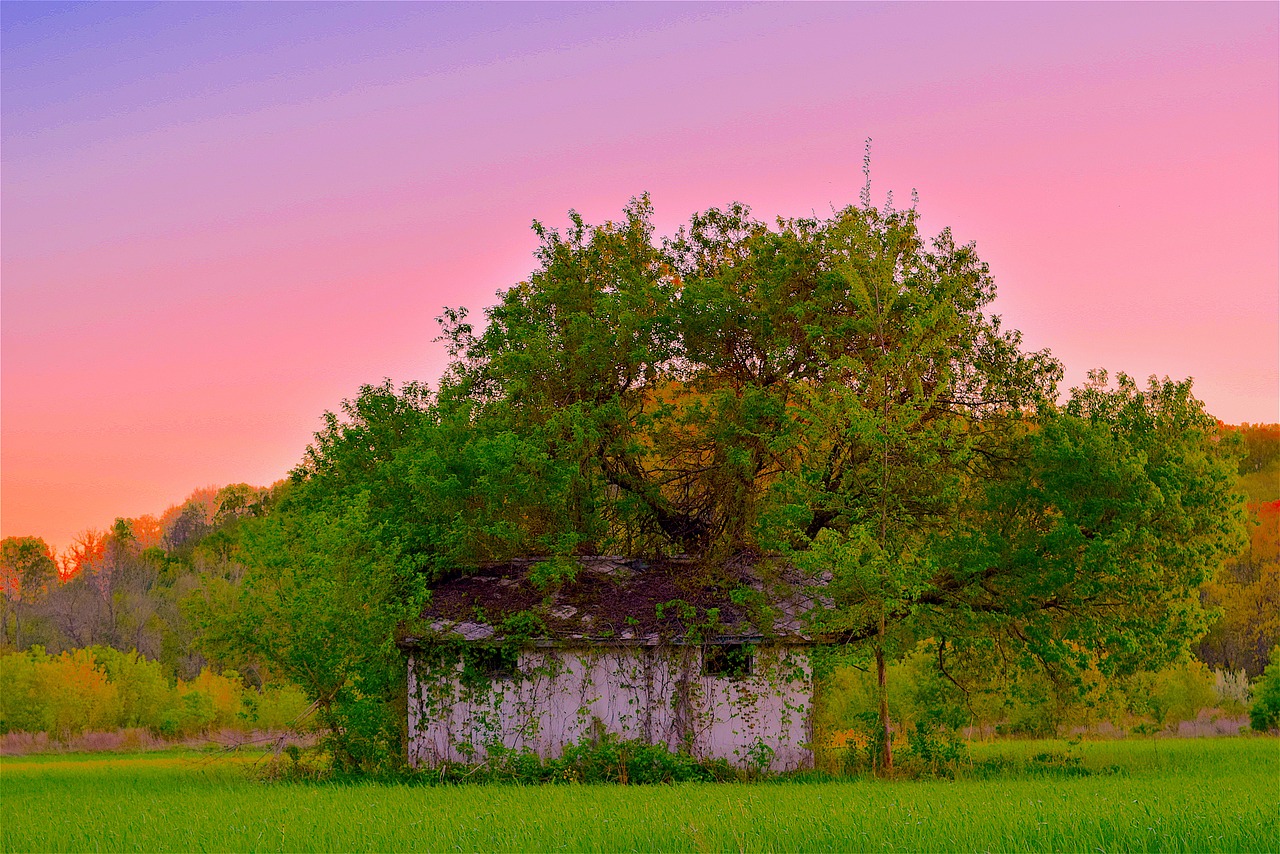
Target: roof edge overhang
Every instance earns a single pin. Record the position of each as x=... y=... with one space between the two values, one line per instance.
x=412 y=643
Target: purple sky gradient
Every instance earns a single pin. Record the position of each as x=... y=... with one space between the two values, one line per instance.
x=219 y=219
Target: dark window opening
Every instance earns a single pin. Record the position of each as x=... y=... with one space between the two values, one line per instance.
x=728 y=661
x=491 y=663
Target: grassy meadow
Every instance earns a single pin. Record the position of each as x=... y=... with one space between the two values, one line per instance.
x=1189 y=795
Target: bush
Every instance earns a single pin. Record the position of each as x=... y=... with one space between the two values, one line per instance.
x=277 y=707
x=63 y=695
x=1232 y=688
x=930 y=750
x=1264 y=714
x=145 y=692
x=933 y=751
x=605 y=759
x=104 y=690
x=1176 y=693
x=19 y=711
x=610 y=760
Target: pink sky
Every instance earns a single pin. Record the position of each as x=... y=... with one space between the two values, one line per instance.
x=219 y=220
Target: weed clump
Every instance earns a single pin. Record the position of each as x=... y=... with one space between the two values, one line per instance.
x=934 y=751
x=606 y=759
x=930 y=751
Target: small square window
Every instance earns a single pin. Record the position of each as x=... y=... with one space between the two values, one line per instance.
x=492 y=663
x=728 y=661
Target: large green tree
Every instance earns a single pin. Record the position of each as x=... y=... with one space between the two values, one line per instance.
x=924 y=388
x=833 y=391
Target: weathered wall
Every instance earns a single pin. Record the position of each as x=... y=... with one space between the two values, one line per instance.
x=658 y=694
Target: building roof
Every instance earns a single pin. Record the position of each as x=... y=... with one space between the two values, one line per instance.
x=622 y=601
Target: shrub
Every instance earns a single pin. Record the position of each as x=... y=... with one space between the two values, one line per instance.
x=63 y=695
x=1232 y=688
x=605 y=759
x=610 y=760
x=276 y=707
x=1171 y=695
x=103 y=690
x=1264 y=714
x=221 y=695
x=19 y=710
x=145 y=692
x=933 y=751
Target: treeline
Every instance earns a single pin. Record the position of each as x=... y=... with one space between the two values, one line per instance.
x=100 y=689
x=1012 y=701
x=110 y=634
x=143 y=585
x=1246 y=592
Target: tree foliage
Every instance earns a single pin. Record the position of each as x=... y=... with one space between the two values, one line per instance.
x=1247 y=592
x=134 y=586
x=100 y=688
x=27 y=572
x=317 y=609
x=832 y=391
x=1264 y=714
x=1089 y=550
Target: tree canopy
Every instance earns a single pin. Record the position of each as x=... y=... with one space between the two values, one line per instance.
x=828 y=391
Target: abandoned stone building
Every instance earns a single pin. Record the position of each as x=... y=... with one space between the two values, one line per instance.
x=514 y=655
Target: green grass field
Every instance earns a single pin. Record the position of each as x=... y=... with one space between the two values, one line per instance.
x=1193 y=795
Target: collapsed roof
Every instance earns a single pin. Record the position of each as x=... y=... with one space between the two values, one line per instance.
x=621 y=601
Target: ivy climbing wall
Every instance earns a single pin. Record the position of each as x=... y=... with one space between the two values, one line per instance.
x=461 y=705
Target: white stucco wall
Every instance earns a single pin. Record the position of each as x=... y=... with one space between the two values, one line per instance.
x=658 y=694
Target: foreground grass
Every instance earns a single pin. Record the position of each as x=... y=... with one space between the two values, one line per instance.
x=1195 y=795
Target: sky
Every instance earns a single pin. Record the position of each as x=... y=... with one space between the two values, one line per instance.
x=218 y=220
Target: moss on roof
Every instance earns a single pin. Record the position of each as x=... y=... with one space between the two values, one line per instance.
x=616 y=600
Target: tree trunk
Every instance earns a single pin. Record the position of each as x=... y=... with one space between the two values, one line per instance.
x=17 y=625
x=886 y=754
